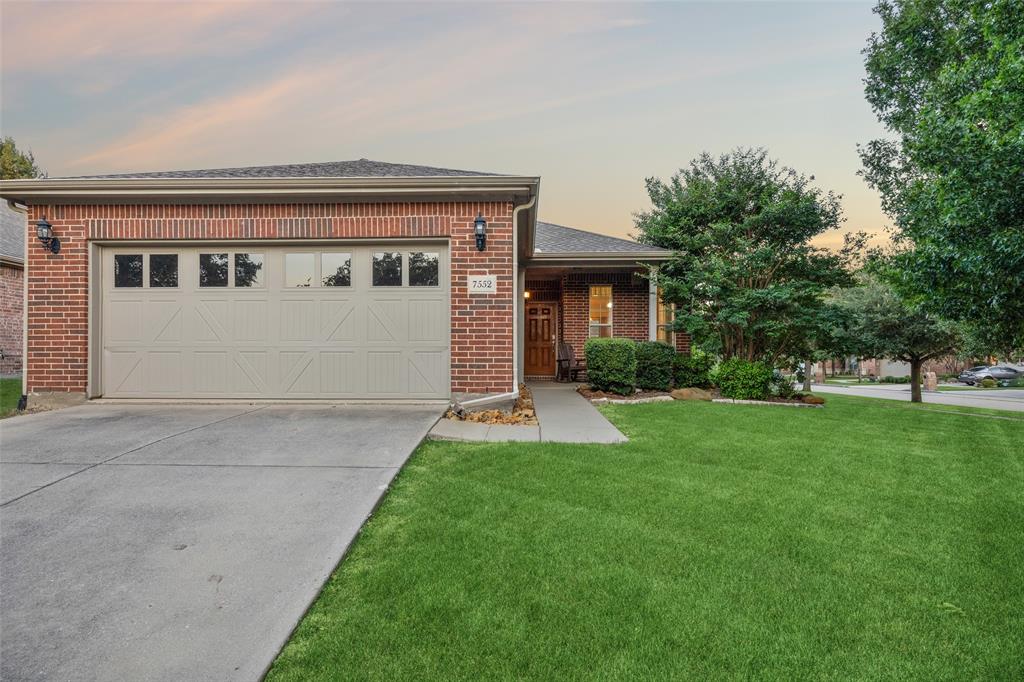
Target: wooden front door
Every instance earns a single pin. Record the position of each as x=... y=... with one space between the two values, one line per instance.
x=541 y=320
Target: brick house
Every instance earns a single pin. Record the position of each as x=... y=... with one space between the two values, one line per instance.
x=346 y=280
x=12 y=289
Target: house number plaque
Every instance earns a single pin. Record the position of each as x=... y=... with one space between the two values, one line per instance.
x=485 y=285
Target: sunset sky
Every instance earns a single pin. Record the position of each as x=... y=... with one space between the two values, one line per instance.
x=592 y=97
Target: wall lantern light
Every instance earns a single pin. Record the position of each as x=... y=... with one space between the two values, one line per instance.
x=44 y=231
x=480 y=230
x=526 y=294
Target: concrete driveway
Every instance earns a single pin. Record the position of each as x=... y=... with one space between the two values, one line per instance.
x=158 y=542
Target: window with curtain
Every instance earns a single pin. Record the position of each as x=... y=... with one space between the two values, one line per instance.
x=601 y=310
x=666 y=315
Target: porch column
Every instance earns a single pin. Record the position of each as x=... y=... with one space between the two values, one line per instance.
x=652 y=305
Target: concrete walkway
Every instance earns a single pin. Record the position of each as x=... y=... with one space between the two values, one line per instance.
x=564 y=415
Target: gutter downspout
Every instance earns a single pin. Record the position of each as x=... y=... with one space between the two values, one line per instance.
x=23 y=210
x=517 y=299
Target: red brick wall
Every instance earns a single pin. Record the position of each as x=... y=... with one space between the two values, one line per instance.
x=481 y=353
x=630 y=300
x=12 y=306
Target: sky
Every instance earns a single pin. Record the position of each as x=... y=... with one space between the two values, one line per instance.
x=592 y=97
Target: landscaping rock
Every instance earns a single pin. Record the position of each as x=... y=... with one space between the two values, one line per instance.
x=814 y=400
x=691 y=394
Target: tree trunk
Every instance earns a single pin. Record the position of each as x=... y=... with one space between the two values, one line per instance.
x=807 y=376
x=915 y=381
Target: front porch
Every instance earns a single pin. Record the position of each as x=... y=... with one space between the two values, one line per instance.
x=571 y=304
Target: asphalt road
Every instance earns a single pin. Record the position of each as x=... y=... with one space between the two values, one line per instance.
x=1002 y=399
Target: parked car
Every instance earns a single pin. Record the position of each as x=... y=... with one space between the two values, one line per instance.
x=968 y=375
x=1001 y=373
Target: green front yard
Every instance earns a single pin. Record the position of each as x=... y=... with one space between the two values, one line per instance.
x=871 y=539
x=10 y=391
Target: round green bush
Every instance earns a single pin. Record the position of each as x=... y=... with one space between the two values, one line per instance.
x=694 y=370
x=989 y=382
x=611 y=365
x=743 y=380
x=654 y=365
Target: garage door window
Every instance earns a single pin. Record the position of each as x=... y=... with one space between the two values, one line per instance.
x=423 y=269
x=248 y=269
x=336 y=269
x=163 y=270
x=387 y=269
x=128 y=270
x=299 y=269
x=213 y=269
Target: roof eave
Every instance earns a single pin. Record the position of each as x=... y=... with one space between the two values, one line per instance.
x=633 y=256
x=300 y=189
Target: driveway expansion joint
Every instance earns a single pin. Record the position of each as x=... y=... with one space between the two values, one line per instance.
x=93 y=465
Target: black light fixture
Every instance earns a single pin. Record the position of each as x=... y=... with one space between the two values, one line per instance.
x=480 y=230
x=44 y=231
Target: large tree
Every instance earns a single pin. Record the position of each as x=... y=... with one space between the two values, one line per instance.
x=946 y=77
x=15 y=163
x=881 y=324
x=744 y=276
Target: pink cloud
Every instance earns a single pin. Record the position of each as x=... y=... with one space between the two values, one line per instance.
x=47 y=36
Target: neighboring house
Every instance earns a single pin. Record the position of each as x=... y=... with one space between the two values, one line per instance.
x=347 y=280
x=12 y=290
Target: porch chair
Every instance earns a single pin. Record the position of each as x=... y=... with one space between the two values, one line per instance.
x=569 y=366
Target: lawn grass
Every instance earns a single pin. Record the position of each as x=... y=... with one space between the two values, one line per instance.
x=867 y=540
x=10 y=391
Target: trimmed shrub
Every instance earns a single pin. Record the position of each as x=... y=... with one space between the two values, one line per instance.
x=989 y=382
x=743 y=380
x=694 y=370
x=611 y=365
x=654 y=365
x=782 y=385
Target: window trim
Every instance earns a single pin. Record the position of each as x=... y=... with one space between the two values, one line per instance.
x=403 y=278
x=437 y=263
x=233 y=267
x=143 y=271
x=351 y=268
x=610 y=324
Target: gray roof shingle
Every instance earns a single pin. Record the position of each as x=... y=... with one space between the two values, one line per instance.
x=551 y=238
x=362 y=168
x=12 y=232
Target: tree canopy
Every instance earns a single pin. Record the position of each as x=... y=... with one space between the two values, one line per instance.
x=881 y=324
x=16 y=164
x=947 y=79
x=744 y=277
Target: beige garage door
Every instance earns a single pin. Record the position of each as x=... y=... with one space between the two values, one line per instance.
x=335 y=321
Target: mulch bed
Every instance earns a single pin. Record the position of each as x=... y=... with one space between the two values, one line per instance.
x=591 y=394
x=645 y=396
x=522 y=412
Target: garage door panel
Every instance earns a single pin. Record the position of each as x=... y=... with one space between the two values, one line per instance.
x=298 y=320
x=163 y=322
x=210 y=372
x=384 y=372
x=204 y=323
x=124 y=321
x=162 y=372
x=427 y=321
x=385 y=320
x=250 y=318
x=123 y=371
x=273 y=341
x=342 y=373
x=427 y=371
